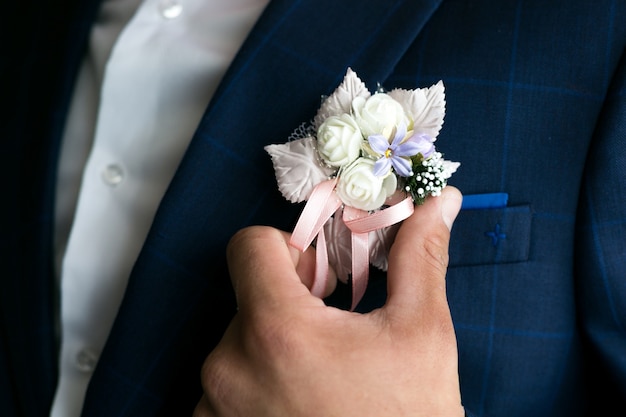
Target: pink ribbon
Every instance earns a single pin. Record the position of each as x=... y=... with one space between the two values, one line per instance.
x=322 y=204
x=320 y=207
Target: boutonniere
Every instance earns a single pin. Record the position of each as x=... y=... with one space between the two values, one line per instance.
x=361 y=165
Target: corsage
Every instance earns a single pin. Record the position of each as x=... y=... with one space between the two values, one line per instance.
x=361 y=165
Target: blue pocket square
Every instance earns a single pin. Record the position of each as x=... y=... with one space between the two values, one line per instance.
x=483 y=201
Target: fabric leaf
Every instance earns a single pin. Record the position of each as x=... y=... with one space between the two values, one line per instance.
x=426 y=106
x=297 y=168
x=341 y=100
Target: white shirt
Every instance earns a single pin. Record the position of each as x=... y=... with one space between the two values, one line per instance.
x=151 y=69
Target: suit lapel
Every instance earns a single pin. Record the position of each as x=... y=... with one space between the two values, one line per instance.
x=301 y=49
x=297 y=52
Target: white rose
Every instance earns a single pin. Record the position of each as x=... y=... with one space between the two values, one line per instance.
x=339 y=140
x=377 y=113
x=358 y=186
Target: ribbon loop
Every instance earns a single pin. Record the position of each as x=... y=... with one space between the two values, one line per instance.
x=358 y=223
x=321 y=205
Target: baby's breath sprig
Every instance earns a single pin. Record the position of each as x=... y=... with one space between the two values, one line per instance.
x=429 y=177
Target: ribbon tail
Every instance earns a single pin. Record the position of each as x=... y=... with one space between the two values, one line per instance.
x=360 y=224
x=360 y=266
x=321 y=205
x=321 y=266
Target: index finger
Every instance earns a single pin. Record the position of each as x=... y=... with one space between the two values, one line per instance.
x=264 y=268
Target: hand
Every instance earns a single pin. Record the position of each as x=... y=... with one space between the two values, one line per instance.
x=286 y=354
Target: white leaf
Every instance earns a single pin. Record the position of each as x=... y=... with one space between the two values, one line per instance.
x=379 y=243
x=425 y=106
x=341 y=100
x=297 y=168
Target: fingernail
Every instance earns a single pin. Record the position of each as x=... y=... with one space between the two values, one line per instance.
x=450 y=206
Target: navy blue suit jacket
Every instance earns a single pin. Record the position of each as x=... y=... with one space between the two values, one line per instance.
x=536 y=108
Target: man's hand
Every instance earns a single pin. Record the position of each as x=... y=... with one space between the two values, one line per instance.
x=286 y=354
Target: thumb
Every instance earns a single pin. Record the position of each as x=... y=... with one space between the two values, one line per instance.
x=418 y=258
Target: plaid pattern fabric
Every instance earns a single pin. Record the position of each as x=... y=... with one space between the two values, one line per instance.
x=535 y=109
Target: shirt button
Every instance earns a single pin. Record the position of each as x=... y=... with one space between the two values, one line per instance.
x=112 y=175
x=170 y=9
x=86 y=360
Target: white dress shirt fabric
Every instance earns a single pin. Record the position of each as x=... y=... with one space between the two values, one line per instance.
x=151 y=69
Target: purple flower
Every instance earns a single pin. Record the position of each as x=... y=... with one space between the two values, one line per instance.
x=398 y=154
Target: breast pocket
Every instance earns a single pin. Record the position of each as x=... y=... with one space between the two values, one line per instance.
x=491 y=235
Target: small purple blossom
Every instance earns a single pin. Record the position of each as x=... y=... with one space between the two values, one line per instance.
x=398 y=154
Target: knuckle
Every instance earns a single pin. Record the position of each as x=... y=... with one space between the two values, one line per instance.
x=434 y=338
x=215 y=378
x=240 y=237
x=439 y=330
x=434 y=251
